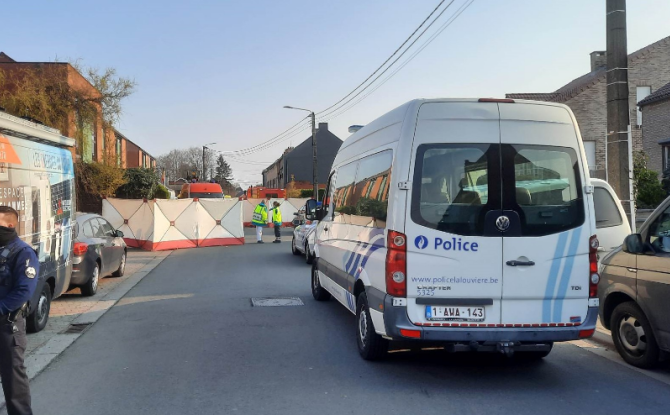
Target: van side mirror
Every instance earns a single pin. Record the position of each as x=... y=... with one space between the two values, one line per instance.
x=633 y=244
x=119 y=234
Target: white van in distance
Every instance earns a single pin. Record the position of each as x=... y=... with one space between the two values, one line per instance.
x=463 y=222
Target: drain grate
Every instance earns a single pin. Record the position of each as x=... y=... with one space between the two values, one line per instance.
x=276 y=301
x=76 y=328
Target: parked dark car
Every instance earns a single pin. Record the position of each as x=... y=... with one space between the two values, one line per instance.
x=99 y=250
x=634 y=291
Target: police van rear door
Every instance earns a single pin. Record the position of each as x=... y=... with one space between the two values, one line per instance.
x=545 y=249
x=454 y=251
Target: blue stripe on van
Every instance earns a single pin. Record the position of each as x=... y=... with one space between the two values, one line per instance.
x=352 y=255
x=553 y=276
x=567 y=273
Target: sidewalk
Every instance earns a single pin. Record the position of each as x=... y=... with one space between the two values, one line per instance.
x=71 y=308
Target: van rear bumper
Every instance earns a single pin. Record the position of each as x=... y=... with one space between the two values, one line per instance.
x=395 y=319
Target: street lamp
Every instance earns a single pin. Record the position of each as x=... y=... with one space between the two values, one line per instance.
x=204 y=167
x=315 y=178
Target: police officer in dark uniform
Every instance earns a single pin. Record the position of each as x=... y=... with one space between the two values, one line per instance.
x=19 y=268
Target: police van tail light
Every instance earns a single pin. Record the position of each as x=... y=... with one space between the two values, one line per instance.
x=396 y=264
x=594 y=277
x=80 y=249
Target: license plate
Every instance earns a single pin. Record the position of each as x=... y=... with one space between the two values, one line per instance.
x=455 y=313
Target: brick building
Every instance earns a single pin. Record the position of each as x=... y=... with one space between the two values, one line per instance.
x=296 y=163
x=656 y=128
x=96 y=141
x=649 y=70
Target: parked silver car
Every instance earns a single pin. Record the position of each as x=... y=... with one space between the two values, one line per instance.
x=303 y=236
x=634 y=292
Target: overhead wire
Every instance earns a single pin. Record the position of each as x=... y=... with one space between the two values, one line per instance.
x=291 y=132
x=394 y=61
x=389 y=58
x=458 y=12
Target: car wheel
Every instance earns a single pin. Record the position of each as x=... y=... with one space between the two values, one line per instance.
x=91 y=287
x=122 y=266
x=39 y=317
x=293 y=248
x=309 y=258
x=318 y=292
x=633 y=337
x=371 y=345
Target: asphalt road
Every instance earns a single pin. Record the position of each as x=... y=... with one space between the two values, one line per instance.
x=186 y=340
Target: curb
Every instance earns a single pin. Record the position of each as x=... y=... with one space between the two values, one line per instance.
x=43 y=356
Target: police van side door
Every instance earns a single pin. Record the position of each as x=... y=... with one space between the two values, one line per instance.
x=454 y=251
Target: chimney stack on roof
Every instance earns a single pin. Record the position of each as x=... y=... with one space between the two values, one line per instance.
x=598 y=59
x=323 y=126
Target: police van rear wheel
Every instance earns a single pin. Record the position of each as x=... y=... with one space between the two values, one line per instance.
x=318 y=292
x=371 y=345
x=37 y=320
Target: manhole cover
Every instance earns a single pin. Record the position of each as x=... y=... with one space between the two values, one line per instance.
x=76 y=328
x=275 y=301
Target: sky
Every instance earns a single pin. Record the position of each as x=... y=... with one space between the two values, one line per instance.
x=221 y=71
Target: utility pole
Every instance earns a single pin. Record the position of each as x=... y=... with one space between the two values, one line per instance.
x=315 y=175
x=618 y=115
x=204 y=162
x=315 y=172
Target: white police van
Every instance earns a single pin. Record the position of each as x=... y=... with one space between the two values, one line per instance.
x=463 y=222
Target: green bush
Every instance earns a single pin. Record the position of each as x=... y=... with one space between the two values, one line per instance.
x=649 y=191
x=161 y=192
x=140 y=183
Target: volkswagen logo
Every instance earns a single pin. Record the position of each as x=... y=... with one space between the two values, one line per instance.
x=421 y=242
x=502 y=223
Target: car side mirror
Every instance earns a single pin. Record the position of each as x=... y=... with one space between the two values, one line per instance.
x=633 y=244
x=119 y=234
x=296 y=222
x=310 y=209
x=295 y=213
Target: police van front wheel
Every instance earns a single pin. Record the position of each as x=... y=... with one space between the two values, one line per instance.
x=371 y=345
x=39 y=316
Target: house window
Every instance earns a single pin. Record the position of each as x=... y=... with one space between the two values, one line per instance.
x=118 y=152
x=590 y=149
x=642 y=93
x=666 y=157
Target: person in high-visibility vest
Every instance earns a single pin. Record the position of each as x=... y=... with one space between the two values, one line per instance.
x=260 y=220
x=276 y=221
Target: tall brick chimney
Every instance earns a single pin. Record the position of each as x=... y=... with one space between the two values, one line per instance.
x=598 y=59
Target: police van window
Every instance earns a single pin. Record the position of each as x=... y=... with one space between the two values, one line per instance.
x=371 y=191
x=451 y=190
x=547 y=188
x=607 y=212
x=344 y=188
x=328 y=194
